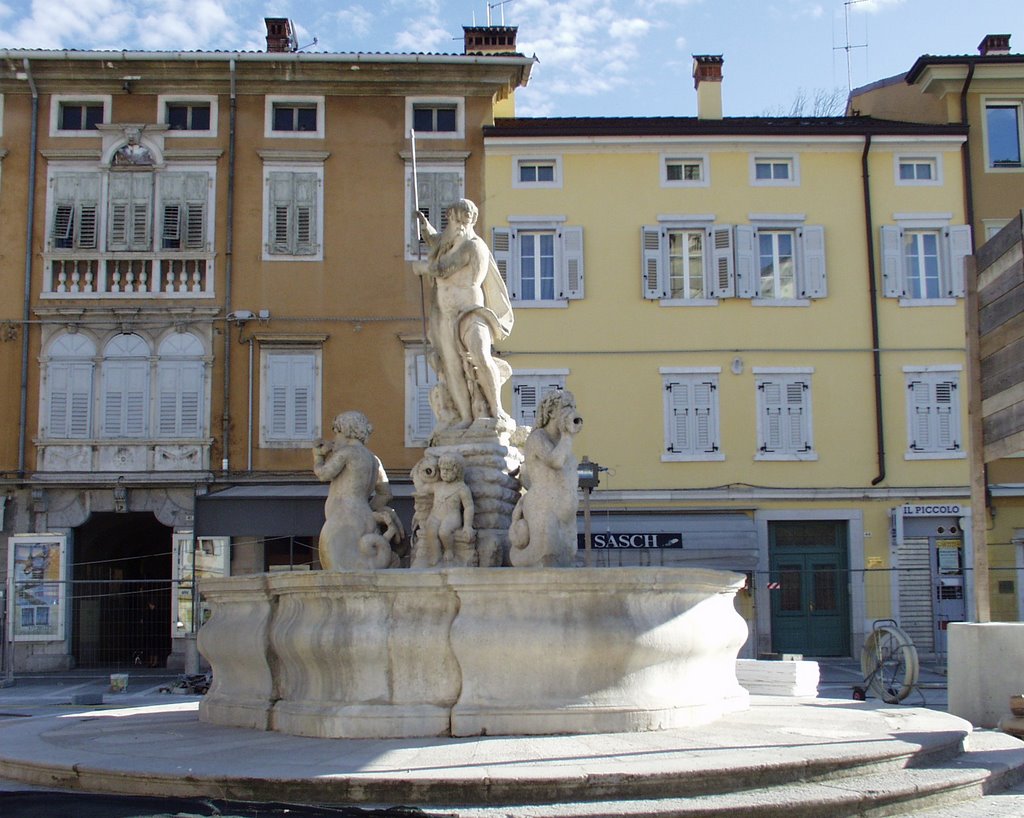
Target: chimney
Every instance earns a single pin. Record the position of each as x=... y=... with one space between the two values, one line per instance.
x=280 y=35
x=490 y=39
x=994 y=45
x=707 y=79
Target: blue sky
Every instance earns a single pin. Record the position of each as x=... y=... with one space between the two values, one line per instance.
x=596 y=57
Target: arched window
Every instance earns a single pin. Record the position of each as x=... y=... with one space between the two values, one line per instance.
x=179 y=384
x=125 y=385
x=69 y=372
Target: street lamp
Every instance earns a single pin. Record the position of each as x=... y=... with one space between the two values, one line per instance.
x=589 y=475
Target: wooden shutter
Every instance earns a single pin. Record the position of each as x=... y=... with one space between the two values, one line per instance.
x=183 y=198
x=303 y=240
x=947 y=433
x=772 y=432
x=705 y=436
x=502 y=243
x=651 y=264
x=812 y=268
x=746 y=262
x=527 y=393
x=280 y=216
x=572 y=262
x=722 y=278
x=959 y=244
x=421 y=416
x=893 y=285
x=680 y=438
x=436 y=190
x=70 y=399
x=922 y=417
x=130 y=197
x=179 y=398
x=291 y=396
x=797 y=427
x=125 y=398
x=76 y=199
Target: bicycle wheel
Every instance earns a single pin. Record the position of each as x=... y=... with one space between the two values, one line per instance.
x=889 y=663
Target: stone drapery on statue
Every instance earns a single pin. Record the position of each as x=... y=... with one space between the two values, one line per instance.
x=469 y=310
x=360 y=528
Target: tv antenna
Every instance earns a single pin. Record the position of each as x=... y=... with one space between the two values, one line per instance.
x=848 y=46
x=499 y=4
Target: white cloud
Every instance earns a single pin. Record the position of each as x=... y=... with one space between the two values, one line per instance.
x=426 y=39
x=354 y=21
x=629 y=29
x=875 y=6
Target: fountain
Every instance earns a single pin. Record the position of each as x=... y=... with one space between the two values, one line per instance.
x=491 y=630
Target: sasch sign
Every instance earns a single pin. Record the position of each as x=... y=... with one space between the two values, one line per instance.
x=631 y=542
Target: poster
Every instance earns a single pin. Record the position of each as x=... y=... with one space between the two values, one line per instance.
x=36 y=568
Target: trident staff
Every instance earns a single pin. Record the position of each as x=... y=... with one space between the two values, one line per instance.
x=419 y=250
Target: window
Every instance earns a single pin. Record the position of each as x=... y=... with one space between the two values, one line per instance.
x=537 y=173
x=435 y=117
x=774 y=170
x=918 y=170
x=75 y=202
x=922 y=263
x=420 y=379
x=780 y=263
x=290 y=397
x=78 y=115
x=691 y=414
x=993 y=226
x=188 y=115
x=129 y=212
x=68 y=392
x=687 y=262
x=529 y=386
x=180 y=387
x=124 y=376
x=128 y=378
x=438 y=186
x=784 y=414
x=933 y=413
x=184 y=198
x=541 y=262
x=293 y=201
x=690 y=171
x=1003 y=130
x=294 y=117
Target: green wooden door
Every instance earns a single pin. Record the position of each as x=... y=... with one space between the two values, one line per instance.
x=809 y=579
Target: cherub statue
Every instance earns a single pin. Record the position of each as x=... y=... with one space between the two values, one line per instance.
x=447 y=534
x=543 y=530
x=356 y=506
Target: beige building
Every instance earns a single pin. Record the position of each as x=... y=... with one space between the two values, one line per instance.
x=985 y=91
x=208 y=258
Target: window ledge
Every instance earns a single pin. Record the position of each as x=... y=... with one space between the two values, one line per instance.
x=529 y=305
x=780 y=302
x=928 y=302
x=784 y=456
x=287 y=444
x=960 y=455
x=688 y=302
x=693 y=458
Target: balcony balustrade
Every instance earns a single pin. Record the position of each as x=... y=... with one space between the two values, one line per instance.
x=123 y=275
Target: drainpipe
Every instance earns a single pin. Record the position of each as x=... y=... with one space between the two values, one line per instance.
x=225 y=421
x=876 y=355
x=966 y=150
x=26 y=313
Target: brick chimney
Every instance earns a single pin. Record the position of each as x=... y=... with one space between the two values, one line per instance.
x=490 y=39
x=280 y=35
x=707 y=79
x=994 y=45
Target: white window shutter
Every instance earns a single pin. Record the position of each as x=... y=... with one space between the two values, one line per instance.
x=70 y=399
x=746 y=262
x=572 y=262
x=136 y=402
x=167 y=379
x=893 y=285
x=947 y=433
x=651 y=263
x=922 y=411
x=524 y=403
x=190 y=420
x=722 y=277
x=76 y=198
x=502 y=246
x=797 y=431
x=119 y=207
x=813 y=283
x=422 y=416
x=281 y=198
x=705 y=431
x=772 y=408
x=290 y=396
x=959 y=238
x=681 y=420
x=304 y=232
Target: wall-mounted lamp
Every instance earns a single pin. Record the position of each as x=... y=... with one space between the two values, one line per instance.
x=737 y=366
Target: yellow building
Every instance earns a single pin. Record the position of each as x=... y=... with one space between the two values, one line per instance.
x=207 y=257
x=762 y=322
x=985 y=91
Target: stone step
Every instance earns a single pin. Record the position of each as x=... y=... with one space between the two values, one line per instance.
x=962 y=786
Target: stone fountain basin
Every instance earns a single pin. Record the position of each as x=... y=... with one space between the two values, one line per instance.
x=472 y=651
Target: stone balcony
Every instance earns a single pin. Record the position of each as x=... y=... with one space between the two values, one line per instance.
x=127 y=275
